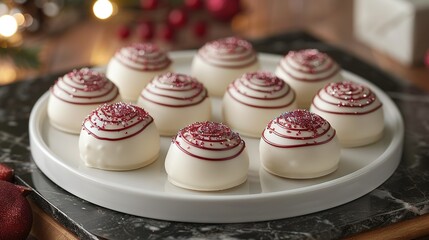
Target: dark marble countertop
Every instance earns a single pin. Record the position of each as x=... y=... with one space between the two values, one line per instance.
x=403 y=196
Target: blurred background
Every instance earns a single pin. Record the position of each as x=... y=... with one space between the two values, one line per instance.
x=49 y=36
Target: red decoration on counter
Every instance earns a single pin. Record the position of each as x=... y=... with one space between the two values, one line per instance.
x=149 y=4
x=16 y=217
x=194 y=4
x=177 y=18
x=167 y=32
x=200 y=29
x=146 y=30
x=223 y=10
x=124 y=32
x=6 y=173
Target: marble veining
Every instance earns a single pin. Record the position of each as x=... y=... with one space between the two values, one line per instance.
x=403 y=196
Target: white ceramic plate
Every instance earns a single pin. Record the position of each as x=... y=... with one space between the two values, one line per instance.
x=146 y=192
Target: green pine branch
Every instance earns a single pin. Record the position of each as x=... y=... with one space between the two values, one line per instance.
x=21 y=57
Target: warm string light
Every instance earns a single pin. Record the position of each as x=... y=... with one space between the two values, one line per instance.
x=103 y=9
x=8 y=26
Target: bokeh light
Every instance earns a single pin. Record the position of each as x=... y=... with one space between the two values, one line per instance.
x=103 y=9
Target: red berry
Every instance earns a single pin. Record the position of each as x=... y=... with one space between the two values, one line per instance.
x=194 y=4
x=200 y=29
x=124 y=32
x=146 y=30
x=177 y=17
x=149 y=4
x=223 y=10
x=6 y=173
x=15 y=213
x=167 y=32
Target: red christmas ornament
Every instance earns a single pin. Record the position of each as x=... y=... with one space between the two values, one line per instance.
x=177 y=17
x=167 y=32
x=149 y=4
x=223 y=10
x=6 y=173
x=15 y=212
x=200 y=29
x=146 y=30
x=124 y=32
x=194 y=4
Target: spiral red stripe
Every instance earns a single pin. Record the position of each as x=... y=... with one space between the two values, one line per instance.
x=209 y=137
x=311 y=63
x=298 y=128
x=118 y=121
x=84 y=87
x=143 y=57
x=346 y=98
x=261 y=90
x=229 y=52
x=174 y=90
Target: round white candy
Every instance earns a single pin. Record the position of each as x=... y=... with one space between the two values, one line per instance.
x=132 y=67
x=207 y=156
x=254 y=99
x=220 y=62
x=307 y=71
x=299 y=144
x=353 y=110
x=119 y=136
x=75 y=95
x=175 y=101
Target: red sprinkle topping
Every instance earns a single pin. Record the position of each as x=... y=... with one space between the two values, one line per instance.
x=347 y=98
x=301 y=119
x=265 y=79
x=179 y=80
x=143 y=48
x=89 y=79
x=350 y=94
x=310 y=58
x=301 y=127
x=219 y=141
x=122 y=111
x=211 y=132
x=143 y=57
x=117 y=118
x=231 y=52
x=232 y=44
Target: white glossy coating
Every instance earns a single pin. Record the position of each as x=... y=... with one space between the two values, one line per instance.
x=353 y=110
x=132 y=67
x=175 y=101
x=75 y=95
x=307 y=71
x=220 y=62
x=258 y=97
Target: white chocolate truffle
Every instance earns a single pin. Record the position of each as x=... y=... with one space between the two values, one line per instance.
x=75 y=95
x=255 y=98
x=119 y=137
x=207 y=156
x=299 y=144
x=353 y=110
x=307 y=71
x=132 y=67
x=175 y=101
x=220 y=62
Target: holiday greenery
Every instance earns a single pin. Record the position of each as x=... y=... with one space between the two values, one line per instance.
x=21 y=57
